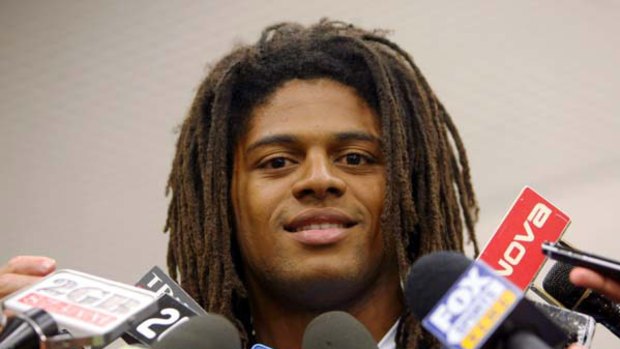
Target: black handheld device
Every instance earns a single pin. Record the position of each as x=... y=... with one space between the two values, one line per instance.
x=563 y=253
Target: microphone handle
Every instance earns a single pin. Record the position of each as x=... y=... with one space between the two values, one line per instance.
x=24 y=331
x=603 y=310
x=525 y=340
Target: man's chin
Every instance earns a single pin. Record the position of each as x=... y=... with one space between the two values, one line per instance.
x=322 y=291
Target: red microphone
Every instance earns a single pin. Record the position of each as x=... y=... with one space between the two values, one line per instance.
x=514 y=250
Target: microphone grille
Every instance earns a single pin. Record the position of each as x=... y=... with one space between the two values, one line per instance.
x=337 y=330
x=430 y=277
x=206 y=331
x=558 y=285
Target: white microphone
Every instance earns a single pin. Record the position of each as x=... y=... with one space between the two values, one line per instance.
x=94 y=310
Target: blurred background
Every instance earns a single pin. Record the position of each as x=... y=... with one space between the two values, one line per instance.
x=92 y=93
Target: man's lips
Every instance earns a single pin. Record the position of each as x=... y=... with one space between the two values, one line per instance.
x=319 y=219
x=320 y=237
x=320 y=226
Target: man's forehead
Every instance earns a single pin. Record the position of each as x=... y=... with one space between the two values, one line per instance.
x=311 y=105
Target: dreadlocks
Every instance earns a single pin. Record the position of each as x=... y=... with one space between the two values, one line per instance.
x=429 y=195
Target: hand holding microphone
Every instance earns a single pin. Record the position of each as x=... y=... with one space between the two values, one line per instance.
x=587 y=278
x=22 y=271
x=602 y=273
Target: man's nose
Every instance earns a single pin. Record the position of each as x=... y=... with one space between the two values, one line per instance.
x=318 y=179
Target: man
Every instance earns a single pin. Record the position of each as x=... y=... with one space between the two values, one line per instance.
x=313 y=169
x=335 y=157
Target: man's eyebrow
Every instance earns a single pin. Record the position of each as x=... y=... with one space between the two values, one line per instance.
x=290 y=139
x=357 y=136
x=272 y=140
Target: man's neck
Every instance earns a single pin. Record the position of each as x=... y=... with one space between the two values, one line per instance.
x=281 y=326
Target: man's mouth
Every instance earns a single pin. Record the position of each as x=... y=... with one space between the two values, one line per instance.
x=319 y=226
x=322 y=226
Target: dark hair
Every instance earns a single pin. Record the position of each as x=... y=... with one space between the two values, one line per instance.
x=429 y=196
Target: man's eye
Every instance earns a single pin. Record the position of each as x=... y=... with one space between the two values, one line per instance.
x=275 y=163
x=355 y=159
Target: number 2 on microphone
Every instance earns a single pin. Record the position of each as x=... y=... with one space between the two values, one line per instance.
x=171 y=316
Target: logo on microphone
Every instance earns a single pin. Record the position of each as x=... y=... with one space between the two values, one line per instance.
x=473 y=307
x=514 y=250
x=83 y=303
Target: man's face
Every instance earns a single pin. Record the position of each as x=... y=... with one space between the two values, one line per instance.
x=308 y=191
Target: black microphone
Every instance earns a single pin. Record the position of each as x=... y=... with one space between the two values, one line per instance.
x=579 y=327
x=158 y=281
x=24 y=331
x=174 y=307
x=467 y=304
x=602 y=309
x=210 y=331
x=337 y=330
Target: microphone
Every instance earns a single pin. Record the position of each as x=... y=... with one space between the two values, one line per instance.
x=24 y=331
x=174 y=306
x=470 y=306
x=514 y=250
x=337 y=329
x=209 y=332
x=580 y=299
x=580 y=327
x=97 y=311
x=94 y=310
x=158 y=281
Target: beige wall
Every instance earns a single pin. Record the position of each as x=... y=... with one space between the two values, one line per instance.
x=91 y=93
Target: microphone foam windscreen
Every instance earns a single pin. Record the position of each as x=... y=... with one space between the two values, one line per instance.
x=209 y=331
x=558 y=285
x=430 y=277
x=337 y=330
